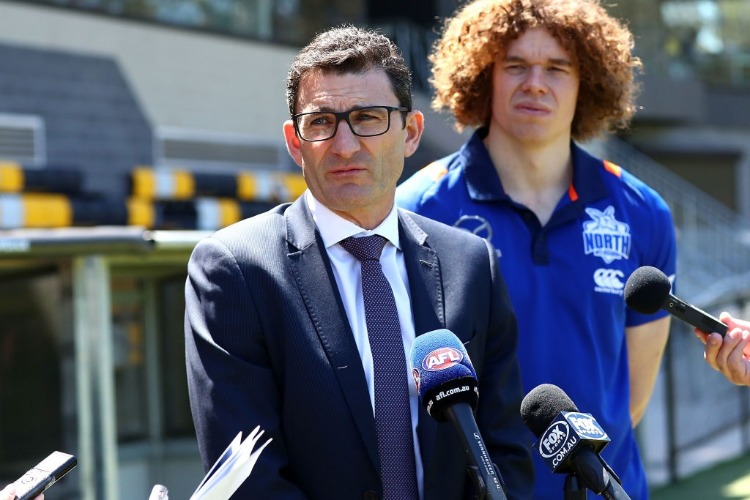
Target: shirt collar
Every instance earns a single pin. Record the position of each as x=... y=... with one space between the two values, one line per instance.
x=484 y=184
x=334 y=228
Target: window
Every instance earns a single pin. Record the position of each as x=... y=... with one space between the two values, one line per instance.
x=148 y=308
x=705 y=40
x=129 y=358
x=216 y=152
x=22 y=139
x=282 y=21
x=178 y=421
x=31 y=378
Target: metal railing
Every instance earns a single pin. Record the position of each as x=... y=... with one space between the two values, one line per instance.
x=713 y=273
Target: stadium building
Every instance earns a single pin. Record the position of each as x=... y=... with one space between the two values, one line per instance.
x=131 y=128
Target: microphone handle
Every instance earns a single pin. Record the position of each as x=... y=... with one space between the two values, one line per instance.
x=614 y=492
x=591 y=471
x=694 y=316
x=572 y=489
x=462 y=417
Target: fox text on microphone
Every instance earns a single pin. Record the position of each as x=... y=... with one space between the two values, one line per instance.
x=565 y=434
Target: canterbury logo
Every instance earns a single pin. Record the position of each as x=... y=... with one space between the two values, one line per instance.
x=609 y=280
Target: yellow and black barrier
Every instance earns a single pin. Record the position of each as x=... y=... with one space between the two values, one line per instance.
x=35 y=210
x=45 y=210
x=201 y=213
x=16 y=178
x=177 y=184
x=159 y=199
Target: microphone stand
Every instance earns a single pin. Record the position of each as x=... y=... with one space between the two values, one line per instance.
x=573 y=488
x=595 y=474
x=480 y=487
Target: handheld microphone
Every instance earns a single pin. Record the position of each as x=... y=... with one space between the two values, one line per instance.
x=570 y=441
x=447 y=386
x=648 y=290
x=159 y=492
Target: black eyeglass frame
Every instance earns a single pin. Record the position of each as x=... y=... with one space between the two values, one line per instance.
x=344 y=115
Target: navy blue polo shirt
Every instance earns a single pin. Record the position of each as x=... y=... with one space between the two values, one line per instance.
x=565 y=279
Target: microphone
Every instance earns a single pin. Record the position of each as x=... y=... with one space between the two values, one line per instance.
x=159 y=492
x=648 y=290
x=447 y=386
x=570 y=441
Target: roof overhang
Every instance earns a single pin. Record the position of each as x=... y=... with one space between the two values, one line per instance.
x=102 y=240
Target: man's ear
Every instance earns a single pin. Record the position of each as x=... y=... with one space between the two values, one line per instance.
x=292 y=142
x=414 y=128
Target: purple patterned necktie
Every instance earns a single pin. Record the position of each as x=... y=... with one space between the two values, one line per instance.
x=392 y=412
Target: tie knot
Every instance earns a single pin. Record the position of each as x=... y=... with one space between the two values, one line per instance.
x=365 y=248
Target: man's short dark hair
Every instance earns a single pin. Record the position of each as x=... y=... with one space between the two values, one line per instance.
x=349 y=49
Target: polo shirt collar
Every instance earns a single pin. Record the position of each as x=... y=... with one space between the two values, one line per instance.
x=484 y=184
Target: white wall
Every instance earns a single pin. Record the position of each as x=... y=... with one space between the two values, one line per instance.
x=181 y=78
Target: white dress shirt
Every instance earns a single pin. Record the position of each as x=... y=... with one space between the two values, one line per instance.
x=347 y=271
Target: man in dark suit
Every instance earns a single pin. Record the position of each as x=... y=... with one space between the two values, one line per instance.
x=275 y=325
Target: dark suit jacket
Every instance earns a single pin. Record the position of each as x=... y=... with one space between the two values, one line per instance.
x=268 y=343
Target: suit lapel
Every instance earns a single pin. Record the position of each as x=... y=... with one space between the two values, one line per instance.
x=312 y=269
x=423 y=270
x=428 y=308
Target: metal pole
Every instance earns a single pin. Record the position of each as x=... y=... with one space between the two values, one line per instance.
x=83 y=369
x=94 y=315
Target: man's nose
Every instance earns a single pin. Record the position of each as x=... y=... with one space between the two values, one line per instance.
x=535 y=80
x=345 y=142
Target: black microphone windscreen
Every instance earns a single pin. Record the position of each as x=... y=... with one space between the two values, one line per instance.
x=647 y=289
x=542 y=404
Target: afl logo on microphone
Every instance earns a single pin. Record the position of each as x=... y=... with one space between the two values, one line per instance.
x=442 y=358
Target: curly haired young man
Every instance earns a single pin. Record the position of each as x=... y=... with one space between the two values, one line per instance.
x=536 y=78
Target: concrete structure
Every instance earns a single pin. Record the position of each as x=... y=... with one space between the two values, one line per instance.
x=131 y=140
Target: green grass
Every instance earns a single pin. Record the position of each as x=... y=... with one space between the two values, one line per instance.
x=728 y=480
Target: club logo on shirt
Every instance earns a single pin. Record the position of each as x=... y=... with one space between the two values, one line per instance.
x=477 y=225
x=606 y=237
x=609 y=281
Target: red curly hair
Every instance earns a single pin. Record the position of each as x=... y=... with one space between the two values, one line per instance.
x=463 y=58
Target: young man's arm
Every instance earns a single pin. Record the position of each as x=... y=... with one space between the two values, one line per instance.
x=646 y=344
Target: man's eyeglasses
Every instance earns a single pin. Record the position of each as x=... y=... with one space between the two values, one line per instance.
x=364 y=122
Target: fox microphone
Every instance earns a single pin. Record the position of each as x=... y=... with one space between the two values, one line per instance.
x=447 y=386
x=570 y=441
x=648 y=290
